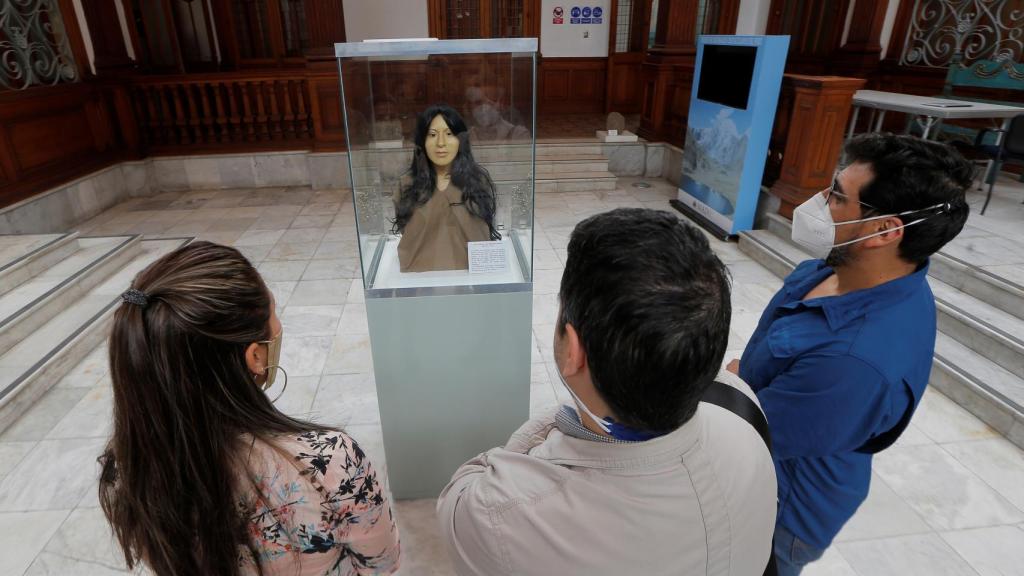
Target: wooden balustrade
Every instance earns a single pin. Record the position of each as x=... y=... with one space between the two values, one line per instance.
x=223 y=112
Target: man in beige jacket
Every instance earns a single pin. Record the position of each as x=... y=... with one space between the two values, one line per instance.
x=644 y=478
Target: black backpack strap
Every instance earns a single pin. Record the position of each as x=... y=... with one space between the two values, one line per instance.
x=741 y=405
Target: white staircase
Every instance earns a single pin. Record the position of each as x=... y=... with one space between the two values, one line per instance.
x=57 y=296
x=979 y=348
x=572 y=167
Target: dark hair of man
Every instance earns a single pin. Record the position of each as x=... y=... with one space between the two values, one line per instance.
x=650 y=302
x=912 y=175
x=183 y=402
x=478 y=193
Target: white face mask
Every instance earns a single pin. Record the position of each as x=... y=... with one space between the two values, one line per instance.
x=814 y=228
x=486 y=115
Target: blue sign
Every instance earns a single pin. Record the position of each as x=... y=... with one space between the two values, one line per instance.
x=597 y=20
x=585 y=20
x=598 y=12
x=575 y=12
x=586 y=11
x=574 y=20
x=726 y=145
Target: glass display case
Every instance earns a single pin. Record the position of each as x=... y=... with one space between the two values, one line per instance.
x=440 y=137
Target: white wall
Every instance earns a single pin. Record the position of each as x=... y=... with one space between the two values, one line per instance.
x=753 y=16
x=573 y=40
x=374 y=19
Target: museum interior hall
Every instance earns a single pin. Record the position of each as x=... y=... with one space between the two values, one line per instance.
x=317 y=137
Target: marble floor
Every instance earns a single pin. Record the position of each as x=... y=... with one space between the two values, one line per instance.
x=947 y=499
x=995 y=241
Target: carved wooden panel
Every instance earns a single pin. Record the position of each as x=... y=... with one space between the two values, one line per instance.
x=572 y=85
x=625 y=83
x=50 y=135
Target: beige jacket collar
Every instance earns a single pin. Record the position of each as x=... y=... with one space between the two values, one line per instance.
x=560 y=448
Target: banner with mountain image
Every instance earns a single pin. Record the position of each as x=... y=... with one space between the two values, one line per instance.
x=732 y=109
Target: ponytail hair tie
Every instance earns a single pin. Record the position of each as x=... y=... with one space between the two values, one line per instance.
x=135 y=297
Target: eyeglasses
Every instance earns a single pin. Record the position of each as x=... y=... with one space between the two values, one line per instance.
x=837 y=190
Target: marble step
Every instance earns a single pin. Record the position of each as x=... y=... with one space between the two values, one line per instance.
x=570 y=148
x=41 y=359
x=546 y=169
x=982 y=387
x=956 y=324
x=577 y=182
x=988 y=330
x=22 y=257
x=979 y=283
x=41 y=297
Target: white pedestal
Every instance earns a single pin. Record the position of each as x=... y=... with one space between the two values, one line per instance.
x=624 y=136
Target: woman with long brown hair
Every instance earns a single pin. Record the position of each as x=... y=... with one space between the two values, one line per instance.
x=202 y=474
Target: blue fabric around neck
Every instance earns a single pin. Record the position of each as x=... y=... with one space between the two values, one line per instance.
x=623 y=432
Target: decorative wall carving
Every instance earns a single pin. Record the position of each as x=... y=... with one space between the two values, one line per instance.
x=978 y=29
x=34 y=47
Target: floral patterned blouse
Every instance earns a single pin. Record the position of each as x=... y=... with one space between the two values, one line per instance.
x=316 y=506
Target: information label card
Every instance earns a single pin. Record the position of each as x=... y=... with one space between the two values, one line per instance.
x=487 y=257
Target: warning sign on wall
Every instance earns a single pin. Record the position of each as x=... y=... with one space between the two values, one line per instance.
x=574 y=30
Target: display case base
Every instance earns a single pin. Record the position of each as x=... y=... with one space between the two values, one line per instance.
x=453 y=380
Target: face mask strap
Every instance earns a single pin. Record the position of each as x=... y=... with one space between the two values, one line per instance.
x=945 y=207
x=879 y=233
x=277 y=367
x=601 y=422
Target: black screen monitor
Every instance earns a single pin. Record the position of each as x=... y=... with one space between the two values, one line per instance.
x=725 y=75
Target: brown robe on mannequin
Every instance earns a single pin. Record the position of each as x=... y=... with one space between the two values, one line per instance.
x=436 y=235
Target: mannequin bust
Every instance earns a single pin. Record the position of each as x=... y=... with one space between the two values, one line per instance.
x=448 y=199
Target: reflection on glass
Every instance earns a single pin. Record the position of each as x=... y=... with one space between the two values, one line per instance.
x=440 y=148
x=493 y=119
x=447 y=201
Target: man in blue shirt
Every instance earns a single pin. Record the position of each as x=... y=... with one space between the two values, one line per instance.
x=841 y=356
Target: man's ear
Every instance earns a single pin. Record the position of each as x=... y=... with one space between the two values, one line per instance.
x=575 y=356
x=893 y=228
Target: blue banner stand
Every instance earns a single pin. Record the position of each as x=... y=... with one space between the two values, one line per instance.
x=727 y=135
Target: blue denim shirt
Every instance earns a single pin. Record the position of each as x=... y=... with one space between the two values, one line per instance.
x=830 y=374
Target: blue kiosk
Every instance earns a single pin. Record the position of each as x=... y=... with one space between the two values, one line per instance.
x=732 y=109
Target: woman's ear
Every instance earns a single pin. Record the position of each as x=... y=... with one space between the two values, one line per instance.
x=256 y=359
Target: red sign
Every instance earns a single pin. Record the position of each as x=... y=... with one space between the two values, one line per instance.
x=556 y=15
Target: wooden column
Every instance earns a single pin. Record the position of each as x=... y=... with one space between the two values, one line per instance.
x=817 y=126
x=860 y=56
x=667 y=72
x=109 y=50
x=75 y=38
x=326 y=22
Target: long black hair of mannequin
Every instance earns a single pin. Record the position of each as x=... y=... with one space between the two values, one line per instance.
x=478 y=192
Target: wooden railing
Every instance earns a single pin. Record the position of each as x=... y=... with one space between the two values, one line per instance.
x=223 y=112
